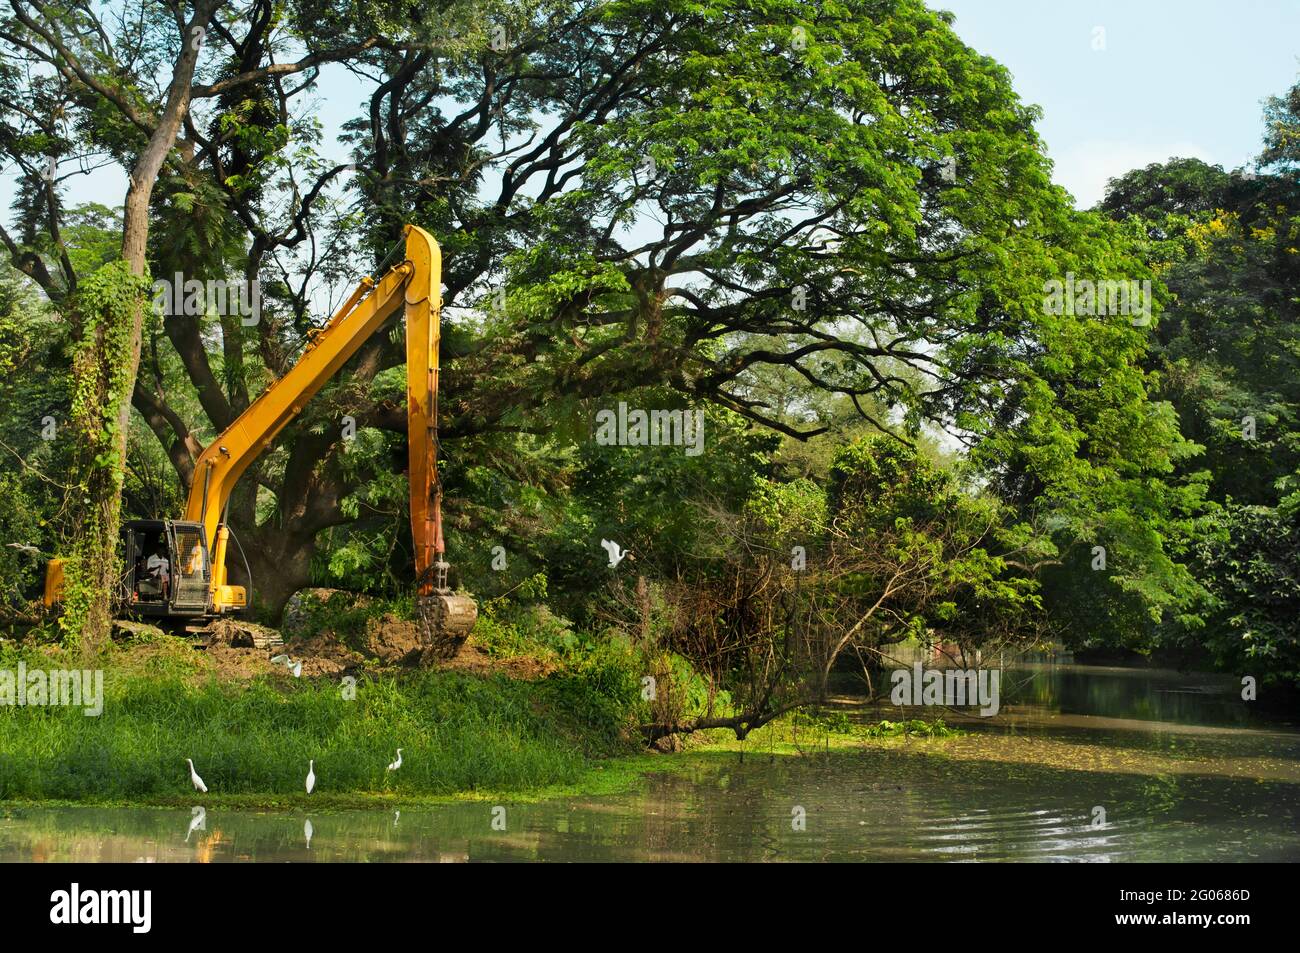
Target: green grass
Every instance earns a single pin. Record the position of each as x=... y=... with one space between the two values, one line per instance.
x=459 y=733
x=463 y=735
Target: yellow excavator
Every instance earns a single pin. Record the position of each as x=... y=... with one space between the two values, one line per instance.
x=176 y=569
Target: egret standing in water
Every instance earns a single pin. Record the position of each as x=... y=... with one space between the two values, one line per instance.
x=396 y=764
x=194 y=777
x=311 y=775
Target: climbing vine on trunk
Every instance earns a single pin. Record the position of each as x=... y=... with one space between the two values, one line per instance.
x=106 y=304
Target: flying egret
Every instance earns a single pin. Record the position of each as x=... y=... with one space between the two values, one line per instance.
x=396 y=764
x=311 y=775
x=194 y=776
x=24 y=548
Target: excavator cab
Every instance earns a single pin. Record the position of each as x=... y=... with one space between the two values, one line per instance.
x=165 y=569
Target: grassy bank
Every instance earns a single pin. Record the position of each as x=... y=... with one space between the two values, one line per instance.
x=568 y=726
x=252 y=739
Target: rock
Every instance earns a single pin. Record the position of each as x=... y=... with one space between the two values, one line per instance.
x=309 y=611
x=668 y=744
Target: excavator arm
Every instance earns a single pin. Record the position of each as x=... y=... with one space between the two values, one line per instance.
x=415 y=285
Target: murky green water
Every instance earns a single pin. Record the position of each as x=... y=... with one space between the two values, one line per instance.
x=1181 y=768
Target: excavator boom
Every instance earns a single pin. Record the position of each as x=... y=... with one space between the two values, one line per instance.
x=415 y=284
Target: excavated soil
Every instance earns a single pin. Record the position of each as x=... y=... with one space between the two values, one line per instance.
x=239 y=664
x=472 y=657
x=235 y=650
x=388 y=642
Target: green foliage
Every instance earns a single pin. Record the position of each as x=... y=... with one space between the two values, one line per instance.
x=512 y=630
x=107 y=304
x=600 y=687
x=33 y=407
x=833 y=722
x=911 y=726
x=945 y=555
x=584 y=275
x=1250 y=561
x=1226 y=358
x=797 y=509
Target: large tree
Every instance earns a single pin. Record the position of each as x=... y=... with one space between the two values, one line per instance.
x=121 y=81
x=1227 y=358
x=637 y=194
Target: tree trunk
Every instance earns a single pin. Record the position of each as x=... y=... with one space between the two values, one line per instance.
x=281 y=565
x=105 y=371
x=100 y=381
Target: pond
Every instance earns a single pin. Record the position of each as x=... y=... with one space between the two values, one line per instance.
x=1083 y=763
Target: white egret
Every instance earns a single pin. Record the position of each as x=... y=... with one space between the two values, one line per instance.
x=311 y=775
x=200 y=815
x=290 y=664
x=396 y=764
x=194 y=777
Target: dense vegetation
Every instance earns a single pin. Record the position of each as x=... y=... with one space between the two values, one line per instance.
x=829 y=228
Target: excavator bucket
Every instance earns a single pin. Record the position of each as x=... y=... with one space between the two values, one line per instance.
x=445 y=618
x=445 y=621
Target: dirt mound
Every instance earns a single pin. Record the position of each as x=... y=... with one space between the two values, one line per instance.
x=472 y=657
x=239 y=664
x=386 y=639
x=393 y=640
x=323 y=655
x=329 y=633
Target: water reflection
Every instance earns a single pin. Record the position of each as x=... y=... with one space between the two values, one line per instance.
x=725 y=810
x=1051 y=680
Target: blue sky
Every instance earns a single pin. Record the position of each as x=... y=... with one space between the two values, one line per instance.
x=1175 y=78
